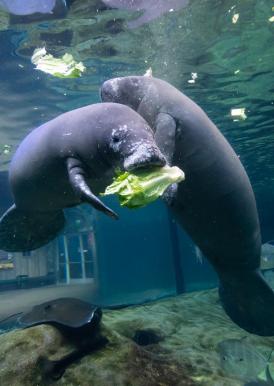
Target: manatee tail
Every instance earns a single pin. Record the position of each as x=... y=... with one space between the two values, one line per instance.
x=248 y=300
x=24 y=231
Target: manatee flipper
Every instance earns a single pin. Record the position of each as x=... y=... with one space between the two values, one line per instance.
x=22 y=231
x=77 y=179
x=248 y=300
x=165 y=137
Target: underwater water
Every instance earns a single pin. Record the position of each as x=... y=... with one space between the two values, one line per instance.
x=218 y=53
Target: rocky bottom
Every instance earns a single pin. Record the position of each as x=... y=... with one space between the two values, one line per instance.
x=169 y=342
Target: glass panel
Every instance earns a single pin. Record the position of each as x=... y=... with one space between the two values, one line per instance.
x=89 y=269
x=88 y=240
x=75 y=271
x=61 y=249
x=74 y=249
x=62 y=273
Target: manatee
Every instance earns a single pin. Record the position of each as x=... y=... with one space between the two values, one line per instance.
x=29 y=7
x=151 y=9
x=215 y=205
x=68 y=161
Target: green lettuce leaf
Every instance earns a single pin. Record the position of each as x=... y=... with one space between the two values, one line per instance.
x=65 y=67
x=139 y=188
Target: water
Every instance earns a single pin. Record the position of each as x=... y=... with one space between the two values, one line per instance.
x=195 y=46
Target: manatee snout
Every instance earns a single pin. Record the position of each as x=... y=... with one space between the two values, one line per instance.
x=144 y=155
x=122 y=90
x=129 y=90
x=109 y=89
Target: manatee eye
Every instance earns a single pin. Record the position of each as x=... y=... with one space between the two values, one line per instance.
x=116 y=138
x=118 y=135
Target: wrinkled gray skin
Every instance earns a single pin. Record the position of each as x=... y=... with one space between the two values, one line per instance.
x=215 y=204
x=152 y=9
x=70 y=160
x=34 y=10
x=28 y=7
x=31 y=7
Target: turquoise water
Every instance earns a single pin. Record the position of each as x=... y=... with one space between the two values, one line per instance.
x=134 y=260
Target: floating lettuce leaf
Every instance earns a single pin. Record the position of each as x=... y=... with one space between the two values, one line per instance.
x=65 y=67
x=238 y=113
x=139 y=188
x=235 y=18
x=5 y=149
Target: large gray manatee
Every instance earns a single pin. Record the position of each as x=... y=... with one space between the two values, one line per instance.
x=215 y=204
x=151 y=9
x=68 y=161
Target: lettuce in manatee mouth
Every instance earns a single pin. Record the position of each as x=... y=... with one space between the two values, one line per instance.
x=140 y=187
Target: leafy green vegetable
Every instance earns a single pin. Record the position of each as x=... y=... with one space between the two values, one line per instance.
x=5 y=149
x=65 y=67
x=139 y=188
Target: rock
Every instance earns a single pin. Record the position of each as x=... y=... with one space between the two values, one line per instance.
x=21 y=350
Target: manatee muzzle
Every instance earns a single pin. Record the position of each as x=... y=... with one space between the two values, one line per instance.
x=144 y=156
x=109 y=90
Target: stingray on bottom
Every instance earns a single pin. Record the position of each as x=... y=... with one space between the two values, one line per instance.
x=77 y=320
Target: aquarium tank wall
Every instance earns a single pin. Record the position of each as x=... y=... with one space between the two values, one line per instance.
x=61 y=239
